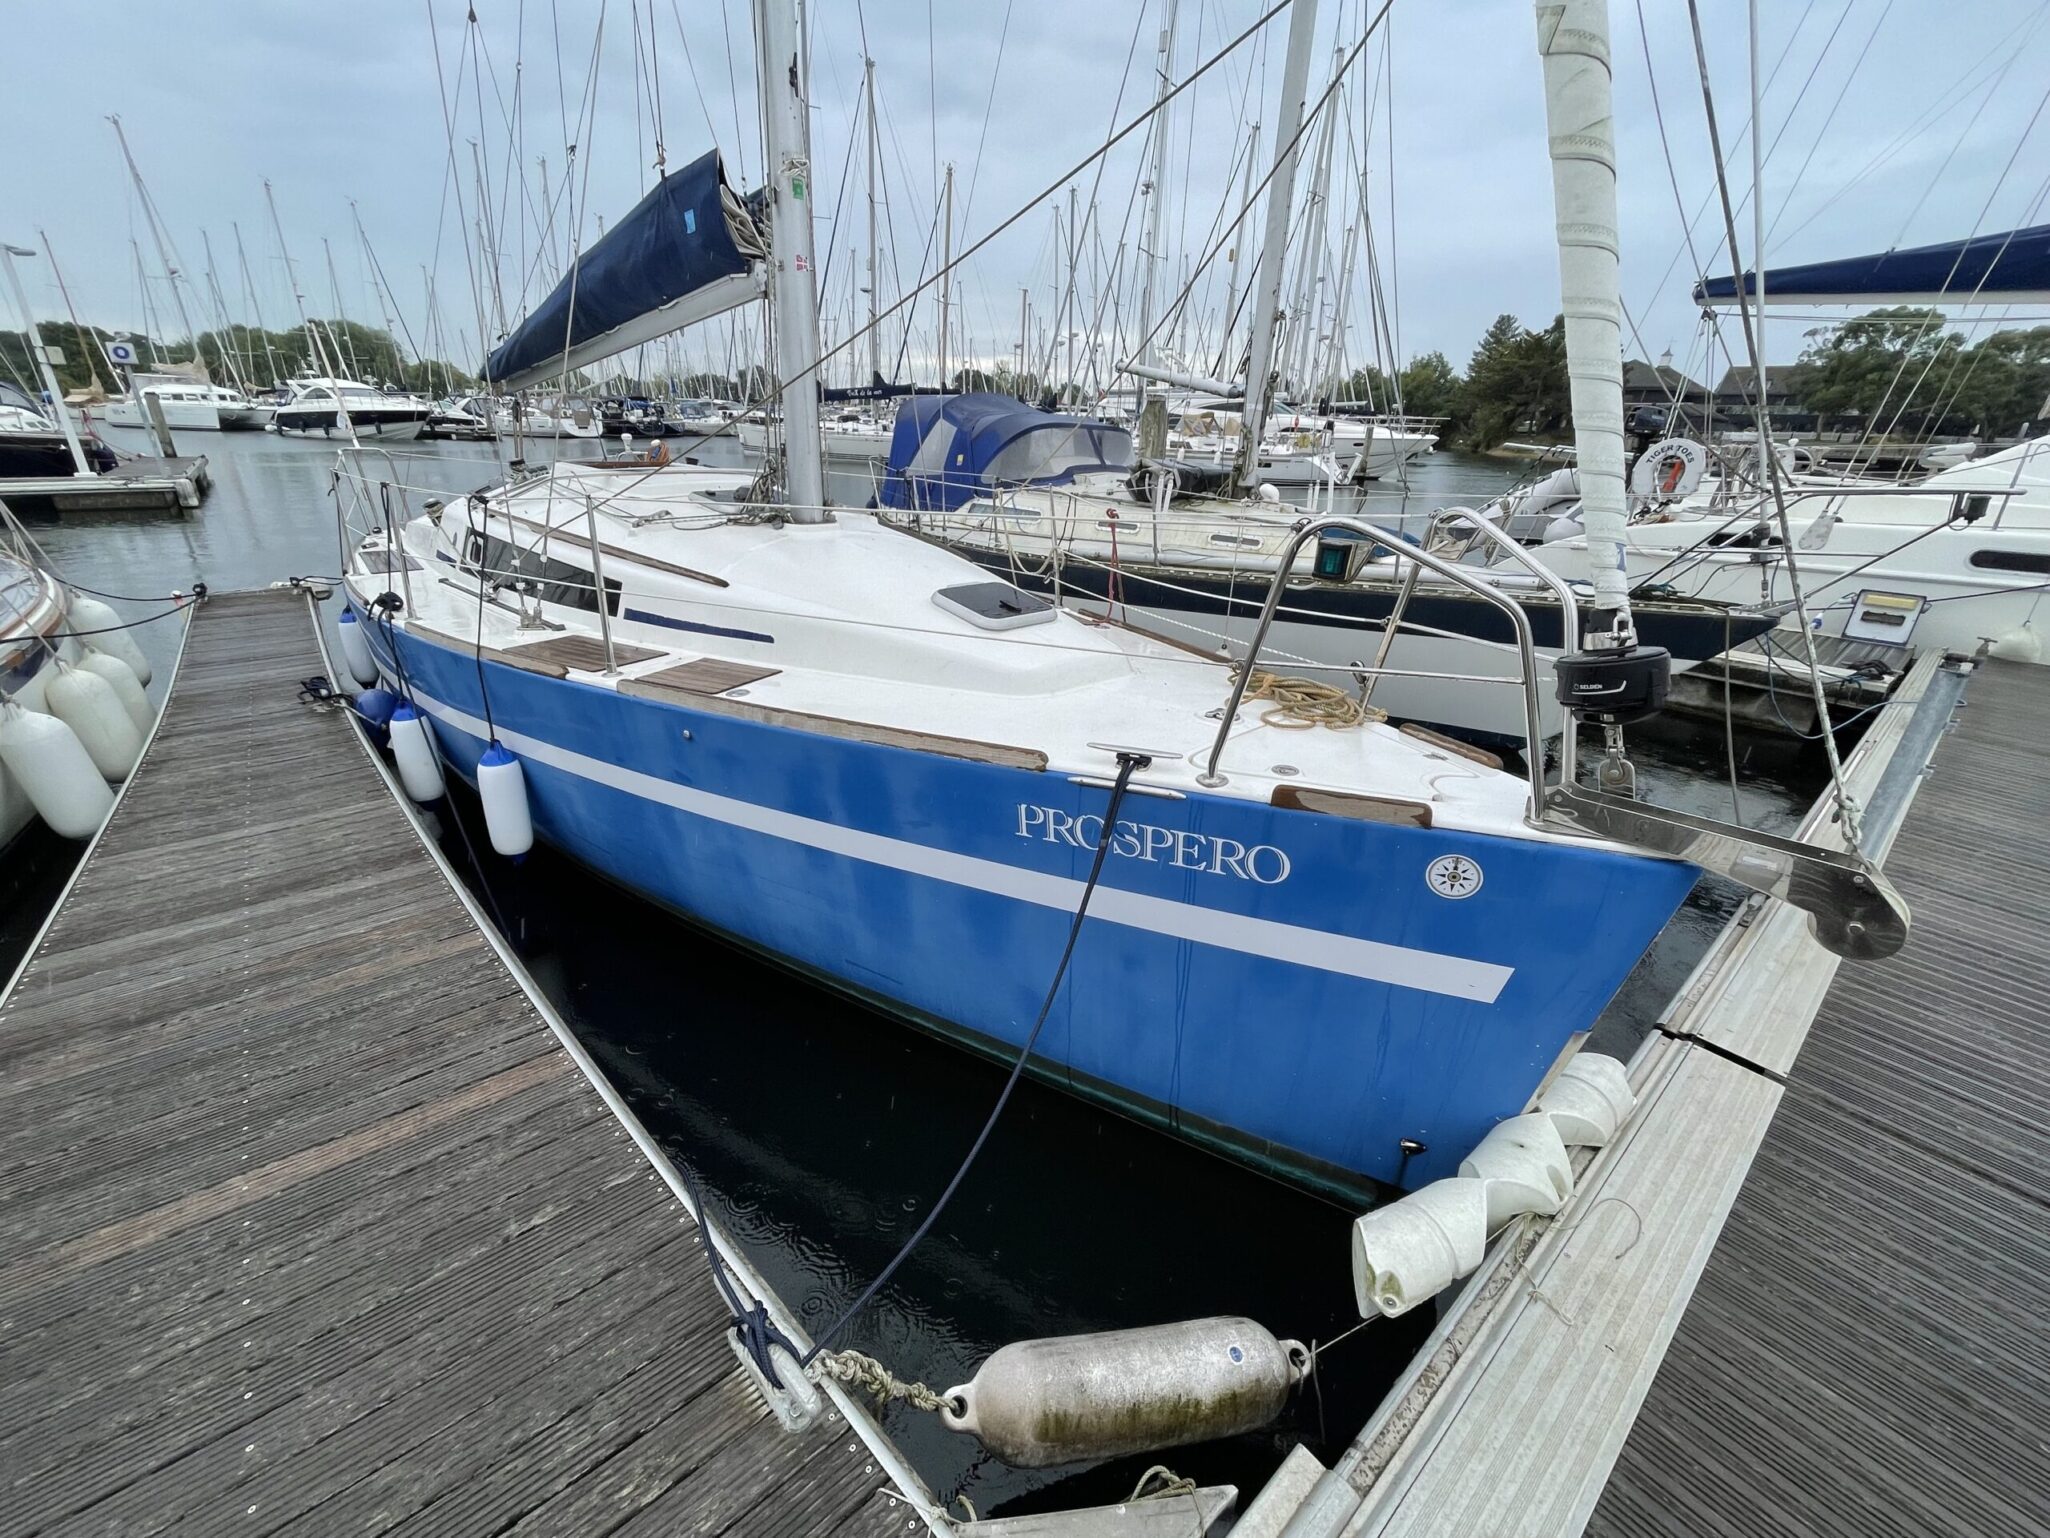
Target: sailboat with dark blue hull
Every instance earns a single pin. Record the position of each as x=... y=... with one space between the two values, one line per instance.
x=1324 y=945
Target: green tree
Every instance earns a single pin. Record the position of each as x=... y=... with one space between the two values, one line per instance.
x=1871 y=367
x=2001 y=386
x=1431 y=387
x=1516 y=382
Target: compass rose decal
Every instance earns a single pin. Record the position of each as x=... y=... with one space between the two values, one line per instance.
x=1453 y=875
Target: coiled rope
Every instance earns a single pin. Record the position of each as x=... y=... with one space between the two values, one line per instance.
x=1301 y=703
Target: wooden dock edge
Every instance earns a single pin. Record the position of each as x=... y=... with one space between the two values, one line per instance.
x=918 y=1501
x=1513 y=1412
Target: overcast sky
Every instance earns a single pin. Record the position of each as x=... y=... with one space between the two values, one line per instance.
x=1892 y=122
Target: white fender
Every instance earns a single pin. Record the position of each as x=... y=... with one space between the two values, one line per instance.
x=2021 y=644
x=1523 y=1167
x=1589 y=1100
x=87 y=704
x=90 y=614
x=502 y=785
x=46 y=759
x=419 y=768
x=356 y=653
x=126 y=685
x=1413 y=1249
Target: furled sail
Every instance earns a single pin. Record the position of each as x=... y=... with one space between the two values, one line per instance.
x=2014 y=264
x=686 y=252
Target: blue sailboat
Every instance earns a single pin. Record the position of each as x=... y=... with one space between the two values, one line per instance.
x=1318 y=943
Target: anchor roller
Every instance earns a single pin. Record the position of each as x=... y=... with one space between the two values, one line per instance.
x=1037 y=1403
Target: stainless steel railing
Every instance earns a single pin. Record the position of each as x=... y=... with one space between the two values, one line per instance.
x=1423 y=560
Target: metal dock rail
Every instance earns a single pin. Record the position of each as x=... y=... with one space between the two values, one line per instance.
x=312 y=1218
x=1862 y=1352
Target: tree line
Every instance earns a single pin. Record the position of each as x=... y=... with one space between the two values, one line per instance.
x=255 y=357
x=1890 y=370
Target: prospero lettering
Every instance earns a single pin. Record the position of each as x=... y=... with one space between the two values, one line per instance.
x=1213 y=854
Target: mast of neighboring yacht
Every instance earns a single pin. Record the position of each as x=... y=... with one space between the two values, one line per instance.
x=875 y=338
x=1237 y=236
x=1155 y=190
x=793 y=287
x=946 y=268
x=319 y=358
x=1295 y=81
x=1309 y=308
x=255 y=306
x=1573 y=40
x=41 y=354
x=163 y=244
x=222 y=319
x=84 y=343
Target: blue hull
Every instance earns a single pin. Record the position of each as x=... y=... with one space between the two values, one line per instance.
x=1280 y=983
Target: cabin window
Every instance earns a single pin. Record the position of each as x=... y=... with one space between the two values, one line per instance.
x=2012 y=560
x=1236 y=541
x=508 y=564
x=318 y=395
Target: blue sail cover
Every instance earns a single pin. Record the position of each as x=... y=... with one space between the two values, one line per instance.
x=682 y=255
x=949 y=449
x=2014 y=264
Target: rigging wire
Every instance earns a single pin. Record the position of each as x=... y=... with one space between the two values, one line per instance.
x=1753 y=342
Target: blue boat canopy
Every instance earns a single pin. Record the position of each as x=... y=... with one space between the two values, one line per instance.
x=683 y=254
x=2014 y=264
x=949 y=449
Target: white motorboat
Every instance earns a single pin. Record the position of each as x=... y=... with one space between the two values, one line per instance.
x=188 y=405
x=318 y=405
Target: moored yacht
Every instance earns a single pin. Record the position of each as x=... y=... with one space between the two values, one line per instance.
x=1050 y=503
x=188 y=404
x=318 y=406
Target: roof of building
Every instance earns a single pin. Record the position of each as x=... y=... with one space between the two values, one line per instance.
x=1661 y=378
x=1736 y=382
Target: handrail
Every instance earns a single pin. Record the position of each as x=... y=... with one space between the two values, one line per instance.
x=1458 y=576
x=1569 y=614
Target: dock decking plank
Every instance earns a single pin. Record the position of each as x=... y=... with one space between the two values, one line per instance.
x=307 y=1221
x=1869 y=1349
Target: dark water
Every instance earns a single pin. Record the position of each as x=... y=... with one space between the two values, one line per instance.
x=821 y=1131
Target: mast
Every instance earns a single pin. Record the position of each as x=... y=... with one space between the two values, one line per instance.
x=1155 y=190
x=875 y=340
x=946 y=267
x=1573 y=40
x=793 y=290
x=1237 y=237
x=1302 y=336
x=318 y=354
x=84 y=342
x=213 y=289
x=1068 y=311
x=334 y=286
x=1024 y=333
x=156 y=230
x=1295 y=80
x=255 y=308
x=41 y=354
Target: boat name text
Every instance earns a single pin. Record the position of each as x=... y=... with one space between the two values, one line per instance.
x=1213 y=853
